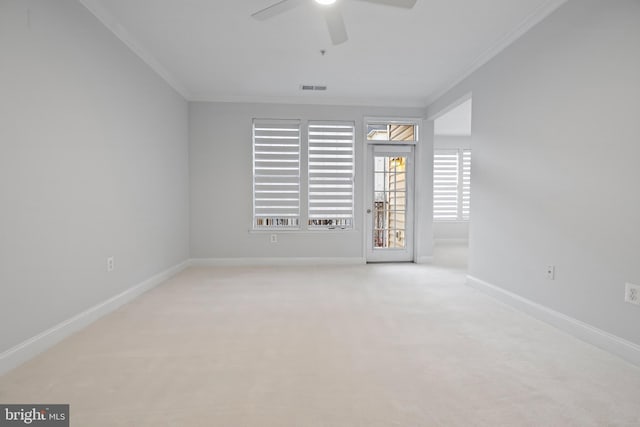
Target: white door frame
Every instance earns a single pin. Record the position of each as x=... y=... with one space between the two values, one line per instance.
x=390 y=255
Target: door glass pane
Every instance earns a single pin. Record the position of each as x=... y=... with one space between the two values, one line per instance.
x=390 y=202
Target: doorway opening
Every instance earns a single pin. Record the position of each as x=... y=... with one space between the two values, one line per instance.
x=452 y=185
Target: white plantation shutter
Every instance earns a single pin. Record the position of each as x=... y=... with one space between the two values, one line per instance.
x=445 y=185
x=276 y=174
x=466 y=184
x=331 y=171
x=451 y=185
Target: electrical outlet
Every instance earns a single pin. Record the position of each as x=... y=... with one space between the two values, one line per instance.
x=632 y=294
x=550 y=272
x=110 y=264
x=274 y=238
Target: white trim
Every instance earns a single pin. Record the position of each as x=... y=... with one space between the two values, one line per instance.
x=281 y=261
x=109 y=21
x=455 y=104
x=301 y=230
x=540 y=13
x=424 y=260
x=583 y=331
x=393 y=120
x=391 y=149
x=451 y=241
x=315 y=99
x=30 y=348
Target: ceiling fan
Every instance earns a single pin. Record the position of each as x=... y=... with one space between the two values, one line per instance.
x=332 y=14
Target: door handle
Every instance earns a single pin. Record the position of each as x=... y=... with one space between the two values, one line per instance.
x=368 y=210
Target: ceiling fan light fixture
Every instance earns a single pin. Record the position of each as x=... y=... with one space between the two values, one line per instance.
x=332 y=15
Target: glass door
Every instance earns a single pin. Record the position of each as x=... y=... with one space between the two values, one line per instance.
x=390 y=204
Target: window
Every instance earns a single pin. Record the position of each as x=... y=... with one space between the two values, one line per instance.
x=451 y=185
x=390 y=201
x=331 y=173
x=276 y=174
x=391 y=132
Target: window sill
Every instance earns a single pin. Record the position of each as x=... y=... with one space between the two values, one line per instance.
x=303 y=231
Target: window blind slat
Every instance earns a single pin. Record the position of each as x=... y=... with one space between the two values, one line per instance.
x=276 y=174
x=331 y=169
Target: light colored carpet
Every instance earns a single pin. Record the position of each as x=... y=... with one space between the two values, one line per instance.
x=368 y=346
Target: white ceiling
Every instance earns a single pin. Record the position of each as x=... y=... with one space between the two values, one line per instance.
x=213 y=50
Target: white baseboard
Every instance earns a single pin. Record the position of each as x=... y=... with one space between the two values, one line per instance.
x=613 y=344
x=424 y=260
x=30 y=348
x=284 y=261
x=451 y=242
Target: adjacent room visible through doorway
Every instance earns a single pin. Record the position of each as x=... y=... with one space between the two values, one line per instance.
x=452 y=185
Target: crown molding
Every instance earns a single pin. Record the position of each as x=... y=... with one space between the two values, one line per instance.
x=534 y=18
x=381 y=102
x=109 y=21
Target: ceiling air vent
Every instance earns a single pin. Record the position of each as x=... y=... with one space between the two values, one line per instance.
x=313 y=87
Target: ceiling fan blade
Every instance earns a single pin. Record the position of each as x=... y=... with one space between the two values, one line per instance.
x=406 y=4
x=276 y=9
x=335 y=23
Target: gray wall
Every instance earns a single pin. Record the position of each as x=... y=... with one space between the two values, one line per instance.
x=555 y=164
x=93 y=163
x=221 y=189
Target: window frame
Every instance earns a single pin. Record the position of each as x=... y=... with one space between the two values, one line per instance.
x=373 y=120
